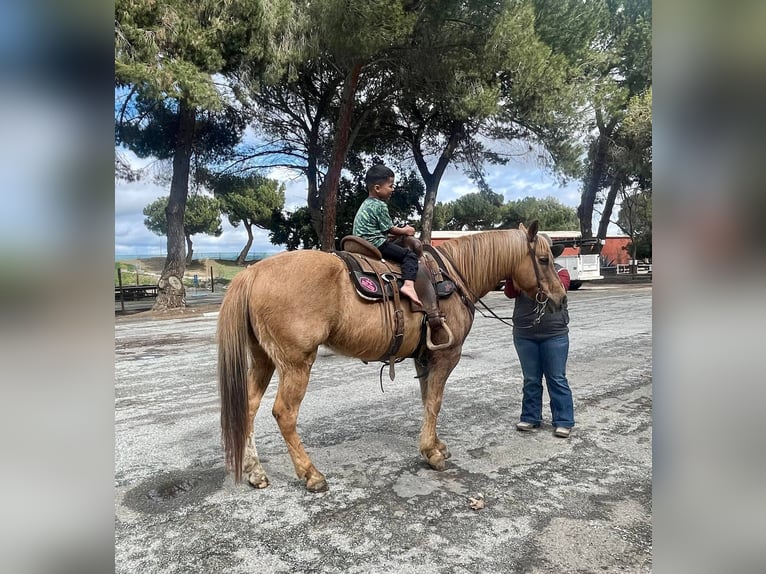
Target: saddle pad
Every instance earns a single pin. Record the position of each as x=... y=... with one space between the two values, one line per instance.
x=368 y=285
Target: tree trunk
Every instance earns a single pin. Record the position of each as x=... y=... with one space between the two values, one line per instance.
x=595 y=175
x=243 y=254
x=314 y=200
x=329 y=191
x=432 y=180
x=189 y=250
x=606 y=214
x=171 y=293
x=429 y=203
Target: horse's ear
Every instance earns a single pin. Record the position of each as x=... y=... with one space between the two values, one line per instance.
x=521 y=226
x=532 y=231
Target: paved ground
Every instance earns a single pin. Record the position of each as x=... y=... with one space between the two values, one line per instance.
x=551 y=505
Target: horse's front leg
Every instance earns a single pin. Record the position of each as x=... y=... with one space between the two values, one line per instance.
x=433 y=378
x=293 y=381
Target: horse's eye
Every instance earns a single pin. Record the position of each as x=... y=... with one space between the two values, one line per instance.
x=544 y=260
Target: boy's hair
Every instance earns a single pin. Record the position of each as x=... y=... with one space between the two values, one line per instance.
x=377 y=175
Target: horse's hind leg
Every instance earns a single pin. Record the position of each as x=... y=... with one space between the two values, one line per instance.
x=433 y=378
x=293 y=380
x=258 y=378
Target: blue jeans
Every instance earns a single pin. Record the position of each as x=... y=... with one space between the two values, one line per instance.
x=547 y=357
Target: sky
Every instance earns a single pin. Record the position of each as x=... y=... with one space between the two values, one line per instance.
x=516 y=180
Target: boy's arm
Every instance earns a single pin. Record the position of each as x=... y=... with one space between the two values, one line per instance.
x=406 y=230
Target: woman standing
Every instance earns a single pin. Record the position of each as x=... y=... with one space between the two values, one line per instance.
x=543 y=349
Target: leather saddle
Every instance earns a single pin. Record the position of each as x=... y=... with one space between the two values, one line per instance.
x=373 y=276
x=376 y=279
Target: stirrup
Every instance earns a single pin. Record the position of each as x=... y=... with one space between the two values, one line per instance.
x=430 y=344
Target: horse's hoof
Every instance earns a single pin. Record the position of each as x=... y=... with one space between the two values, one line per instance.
x=317 y=484
x=258 y=480
x=442 y=448
x=436 y=461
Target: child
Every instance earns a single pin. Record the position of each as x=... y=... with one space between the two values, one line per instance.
x=373 y=223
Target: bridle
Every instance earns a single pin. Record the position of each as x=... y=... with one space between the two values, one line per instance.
x=541 y=299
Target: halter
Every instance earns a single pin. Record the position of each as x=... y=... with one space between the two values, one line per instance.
x=541 y=299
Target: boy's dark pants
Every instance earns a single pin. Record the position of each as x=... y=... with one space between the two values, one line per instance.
x=409 y=261
x=423 y=285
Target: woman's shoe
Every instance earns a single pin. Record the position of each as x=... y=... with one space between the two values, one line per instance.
x=562 y=432
x=525 y=426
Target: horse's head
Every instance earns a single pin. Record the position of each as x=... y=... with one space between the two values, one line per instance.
x=535 y=275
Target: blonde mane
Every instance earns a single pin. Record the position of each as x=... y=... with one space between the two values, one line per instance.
x=484 y=259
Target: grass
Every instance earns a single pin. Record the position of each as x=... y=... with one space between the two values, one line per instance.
x=149 y=271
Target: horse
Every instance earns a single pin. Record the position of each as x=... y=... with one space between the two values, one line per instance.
x=278 y=312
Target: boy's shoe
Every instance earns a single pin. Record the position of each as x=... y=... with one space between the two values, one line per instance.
x=562 y=432
x=525 y=426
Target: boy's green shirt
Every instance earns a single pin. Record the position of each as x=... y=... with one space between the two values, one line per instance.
x=373 y=221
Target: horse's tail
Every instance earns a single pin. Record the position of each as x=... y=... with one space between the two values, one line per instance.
x=234 y=333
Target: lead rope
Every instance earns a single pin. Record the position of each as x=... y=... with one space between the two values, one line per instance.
x=540 y=304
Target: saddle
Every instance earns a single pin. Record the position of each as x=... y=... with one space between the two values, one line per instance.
x=376 y=279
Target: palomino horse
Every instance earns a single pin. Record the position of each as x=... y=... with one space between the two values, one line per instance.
x=270 y=316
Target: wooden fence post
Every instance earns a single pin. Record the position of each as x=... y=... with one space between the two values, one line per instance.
x=122 y=295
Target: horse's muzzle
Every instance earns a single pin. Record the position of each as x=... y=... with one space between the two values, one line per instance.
x=551 y=306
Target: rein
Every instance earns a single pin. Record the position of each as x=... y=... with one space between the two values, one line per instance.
x=541 y=299
x=464 y=286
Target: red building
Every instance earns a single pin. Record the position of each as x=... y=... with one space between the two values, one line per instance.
x=614 y=251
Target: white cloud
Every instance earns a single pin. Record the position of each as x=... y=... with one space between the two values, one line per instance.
x=514 y=181
x=295 y=186
x=133 y=239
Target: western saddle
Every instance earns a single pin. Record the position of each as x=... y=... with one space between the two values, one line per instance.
x=376 y=279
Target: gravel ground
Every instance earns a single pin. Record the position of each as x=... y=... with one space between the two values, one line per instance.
x=582 y=504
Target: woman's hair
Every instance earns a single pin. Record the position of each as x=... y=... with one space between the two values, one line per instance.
x=377 y=175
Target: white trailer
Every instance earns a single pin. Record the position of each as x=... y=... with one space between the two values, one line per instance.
x=581 y=267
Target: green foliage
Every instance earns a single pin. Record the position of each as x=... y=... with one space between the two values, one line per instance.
x=250 y=199
x=351 y=194
x=472 y=211
x=405 y=205
x=477 y=211
x=293 y=230
x=152 y=128
x=156 y=218
x=620 y=66
x=552 y=214
x=202 y=215
x=170 y=49
x=348 y=32
x=442 y=215
x=631 y=153
x=635 y=219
